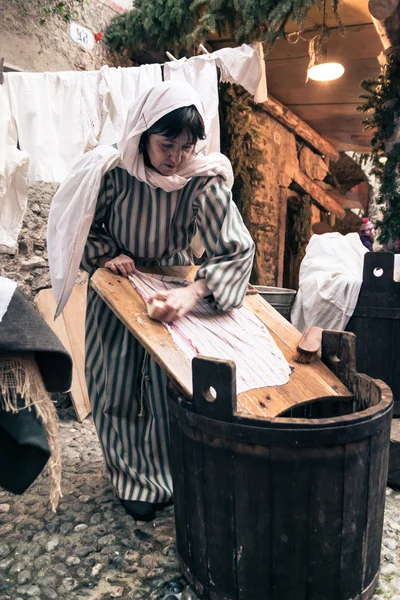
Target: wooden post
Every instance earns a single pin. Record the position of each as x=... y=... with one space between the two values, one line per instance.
x=319 y=194
x=386 y=17
x=283 y=196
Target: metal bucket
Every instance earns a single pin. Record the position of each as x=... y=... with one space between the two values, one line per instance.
x=280 y=298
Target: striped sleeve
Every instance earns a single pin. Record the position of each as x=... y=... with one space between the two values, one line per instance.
x=229 y=247
x=99 y=242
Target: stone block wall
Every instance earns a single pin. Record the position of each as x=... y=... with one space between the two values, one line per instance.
x=29 y=265
x=263 y=217
x=32 y=40
x=284 y=155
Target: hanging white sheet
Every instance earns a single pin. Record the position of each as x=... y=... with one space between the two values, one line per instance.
x=13 y=177
x=330 y=280
x=244 y=65
x=119 y=89
x=57 y=118
x=237 y=335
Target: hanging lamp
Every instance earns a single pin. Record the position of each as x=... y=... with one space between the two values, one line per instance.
x=324 y=70
x=319 y=67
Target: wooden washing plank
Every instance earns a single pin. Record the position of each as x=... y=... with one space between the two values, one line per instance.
x=74 y=318
x=306 y=383
x=70 y=329
x=119 y=294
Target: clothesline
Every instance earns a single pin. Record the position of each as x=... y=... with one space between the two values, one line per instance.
x=48 y=120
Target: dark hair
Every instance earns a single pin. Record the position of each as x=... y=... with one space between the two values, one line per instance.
x=175 y=123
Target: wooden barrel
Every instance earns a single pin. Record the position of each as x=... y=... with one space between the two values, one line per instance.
x=376 y=323
x=282 y=509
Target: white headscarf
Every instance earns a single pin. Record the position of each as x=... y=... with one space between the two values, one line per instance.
x=74 y=205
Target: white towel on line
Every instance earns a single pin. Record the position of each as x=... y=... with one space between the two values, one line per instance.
x=119 y=89
x=57 y=118
x=245 y=66
x=13 y=177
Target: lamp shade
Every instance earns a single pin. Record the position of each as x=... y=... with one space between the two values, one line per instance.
x=326 y=71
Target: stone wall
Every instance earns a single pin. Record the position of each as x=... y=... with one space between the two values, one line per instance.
x=264 y=216
x=29 y=265
x=32 y=40
x=284 y=154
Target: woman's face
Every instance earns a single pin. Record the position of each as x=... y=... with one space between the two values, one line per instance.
x=167 y=156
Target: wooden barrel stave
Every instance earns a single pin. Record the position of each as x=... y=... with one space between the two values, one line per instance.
x=315 y=510
x=284 y=508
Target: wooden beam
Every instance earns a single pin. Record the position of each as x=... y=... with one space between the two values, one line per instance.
x=386 y=17
x=284 y=115
x=283 y=198
x=350 y=200
x=319 y=195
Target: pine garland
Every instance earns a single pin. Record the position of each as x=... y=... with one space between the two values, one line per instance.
x=156 y=25
x=239 y=135
x=382 y=100
x=159 y=25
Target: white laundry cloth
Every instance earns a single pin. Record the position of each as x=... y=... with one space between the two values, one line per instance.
x=7 y=289
x=57 y=117
x=331 y=275
x=73 y=206
x=13 y=177
x=202 y=75
x=120 y=88
x=237 y=335
x=244 y=65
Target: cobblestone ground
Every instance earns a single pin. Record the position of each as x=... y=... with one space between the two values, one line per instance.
x=91 y=549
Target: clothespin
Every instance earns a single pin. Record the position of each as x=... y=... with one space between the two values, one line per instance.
x=203 y=49
x=171 y=56
x=1 y=70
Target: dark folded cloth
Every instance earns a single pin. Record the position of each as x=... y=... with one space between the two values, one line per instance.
x=23 y=330
x=24 y=446
x=24 y=449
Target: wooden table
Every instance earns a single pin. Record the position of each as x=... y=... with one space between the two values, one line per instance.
x=306 y=383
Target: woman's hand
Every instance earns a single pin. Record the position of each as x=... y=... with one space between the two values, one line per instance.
x=177 y=303
x=122 y=264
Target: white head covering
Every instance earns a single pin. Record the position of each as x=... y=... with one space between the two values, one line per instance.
x=74 y=204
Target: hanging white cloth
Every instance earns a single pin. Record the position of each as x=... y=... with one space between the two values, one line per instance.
x=56 y=117
x=119 y=89
x=238 y=335
x=244 y=65
x=202 y=75
x=13 y=177
x=330 y=281
x=74 y=204
x=7 y=289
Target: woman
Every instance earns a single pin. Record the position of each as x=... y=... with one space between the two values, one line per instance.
x=162 y=198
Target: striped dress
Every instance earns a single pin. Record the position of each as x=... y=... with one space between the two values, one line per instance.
x=127 y=389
